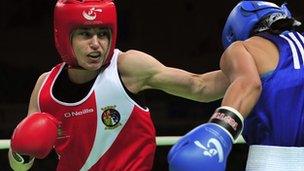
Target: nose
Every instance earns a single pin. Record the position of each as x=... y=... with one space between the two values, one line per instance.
x=94 y=44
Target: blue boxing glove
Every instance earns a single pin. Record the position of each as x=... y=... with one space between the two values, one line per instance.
x=206 y=147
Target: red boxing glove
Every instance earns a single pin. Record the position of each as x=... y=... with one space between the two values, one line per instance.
x=35 y=135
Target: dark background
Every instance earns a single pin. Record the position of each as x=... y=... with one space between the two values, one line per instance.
x=179 y=33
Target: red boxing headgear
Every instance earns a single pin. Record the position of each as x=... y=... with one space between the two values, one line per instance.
x=72 y=14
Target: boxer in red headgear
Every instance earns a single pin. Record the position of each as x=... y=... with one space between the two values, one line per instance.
x=71 y=14
x=91 y=97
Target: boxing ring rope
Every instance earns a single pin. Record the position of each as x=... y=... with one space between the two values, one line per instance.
x=160 y=141
x=4 y=144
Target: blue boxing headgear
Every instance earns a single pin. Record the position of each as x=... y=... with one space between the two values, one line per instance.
x=246 y=15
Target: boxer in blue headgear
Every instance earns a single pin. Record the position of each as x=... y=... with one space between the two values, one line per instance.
x=264 y=61
x=245 y=20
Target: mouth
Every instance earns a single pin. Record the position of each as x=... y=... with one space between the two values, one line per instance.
x=94 y=55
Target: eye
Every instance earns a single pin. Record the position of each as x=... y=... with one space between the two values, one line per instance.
x=102 y=34
x=85 y=34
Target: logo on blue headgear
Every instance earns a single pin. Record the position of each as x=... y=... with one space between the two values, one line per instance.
x=245 y=16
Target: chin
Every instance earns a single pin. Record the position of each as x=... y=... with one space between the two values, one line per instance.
x=93 y=67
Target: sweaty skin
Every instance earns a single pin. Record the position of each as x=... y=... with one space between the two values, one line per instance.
x=243 y=62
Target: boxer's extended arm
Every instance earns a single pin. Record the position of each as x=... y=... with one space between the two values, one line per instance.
x=141 y=71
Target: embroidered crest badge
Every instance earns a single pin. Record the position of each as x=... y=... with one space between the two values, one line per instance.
x=110 y=117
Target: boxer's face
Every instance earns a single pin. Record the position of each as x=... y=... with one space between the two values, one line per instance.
x=91 y=46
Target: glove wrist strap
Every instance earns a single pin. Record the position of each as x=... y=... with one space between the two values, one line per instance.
x=230 y=119
x=17 y=162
